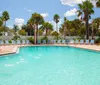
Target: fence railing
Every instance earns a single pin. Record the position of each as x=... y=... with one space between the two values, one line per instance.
x=39 y=37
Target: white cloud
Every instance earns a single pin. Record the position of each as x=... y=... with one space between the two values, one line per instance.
x=29 y=10
x=74 y=2
x=44 y=15
x=71 y=2
x=19 y=22
x=71 y=12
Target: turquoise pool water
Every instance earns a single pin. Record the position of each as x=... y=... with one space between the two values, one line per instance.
x=50 y=65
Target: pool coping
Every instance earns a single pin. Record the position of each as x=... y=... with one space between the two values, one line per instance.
x=12 y=52
x=62 y=45
x=86 y=48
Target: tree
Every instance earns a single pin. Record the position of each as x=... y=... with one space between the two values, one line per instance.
x=69 y=26
x=1 y=22
x=1 y=29
x=61 y=30
x=98 y=3
x=15 y=28
x=97 y=21
x=47 y=27
x=30 y=29
x=22 y=32
x=86 y=9
x=76 y=24
x=56 y=19
x=40 y=31
x=95 y=26
x=55 y=34
x=5 y=17
x=65 y=26
x=24 y=27
x=35 y=20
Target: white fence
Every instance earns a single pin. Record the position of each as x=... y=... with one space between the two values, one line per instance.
x=39 y=37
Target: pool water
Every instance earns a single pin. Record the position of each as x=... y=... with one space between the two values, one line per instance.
x=50 y=65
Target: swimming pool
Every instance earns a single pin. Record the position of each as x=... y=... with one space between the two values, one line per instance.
x=50 y=65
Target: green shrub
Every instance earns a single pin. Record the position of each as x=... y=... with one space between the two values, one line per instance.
x=0 y=34
x=4 y=41
x=55 y=33
x=16 y=37
x=10 y=41
x=97 y=40
x=57 y=38
x=31 y=40
x=22 y=32
x=99 y=34
x=44 y=38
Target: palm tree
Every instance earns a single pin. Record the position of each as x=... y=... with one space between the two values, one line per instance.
x=95 y=26
x=97 y=21
x=98 y=3
x=76 y=24
x=86 y=9
x=5 y=17
x=35 y=20
x=69 y=24
x=47 y=27
x=61 y=30
x=56 y=19
x=30 y=29
x=65 y=26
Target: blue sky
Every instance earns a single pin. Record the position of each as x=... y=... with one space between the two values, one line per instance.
x=20 y=10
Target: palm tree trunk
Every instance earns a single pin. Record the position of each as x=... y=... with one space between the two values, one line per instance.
x=87 y=19
x=5 y=23
x=87 y=28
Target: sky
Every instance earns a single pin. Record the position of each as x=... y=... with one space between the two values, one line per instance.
x=21 y=10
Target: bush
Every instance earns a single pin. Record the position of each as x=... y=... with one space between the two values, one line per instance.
x=55 y=33
x=97 y=40
x=57 y=38
x=16 y=37
x=0 y=34
x=31 y=40
x=10 y=41
x=99 y=34
x=22 y=32
x=44 y=38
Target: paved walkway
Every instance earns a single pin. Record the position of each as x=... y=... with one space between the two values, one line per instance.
x=8 y=49
x=90 y=47
x=13 y=48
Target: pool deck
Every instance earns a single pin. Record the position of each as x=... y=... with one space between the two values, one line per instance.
x=11 y=49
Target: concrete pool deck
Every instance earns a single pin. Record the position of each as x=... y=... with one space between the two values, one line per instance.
x=11 y=49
